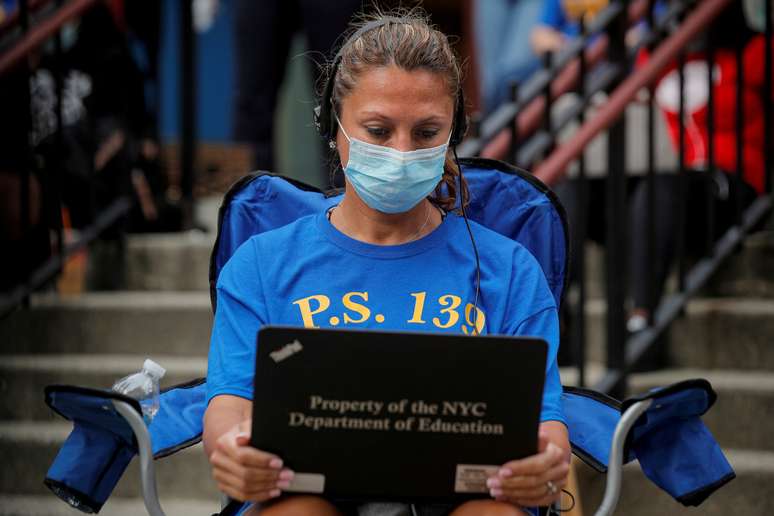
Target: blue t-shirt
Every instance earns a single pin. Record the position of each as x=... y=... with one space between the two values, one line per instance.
x=309 y=274
x=554 y=16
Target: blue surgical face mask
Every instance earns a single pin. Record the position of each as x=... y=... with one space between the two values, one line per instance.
x=389 y=180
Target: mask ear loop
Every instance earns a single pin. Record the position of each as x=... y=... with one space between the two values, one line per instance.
x=338 y=122
x=472 y=241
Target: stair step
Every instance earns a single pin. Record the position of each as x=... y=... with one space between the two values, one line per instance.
x=749 y=272
x=168 y=261
x=745 y=398
x=23 y=377
x=49 y=505
x=27 y=450
x=716 y=333
x=174 y=323
x=749 y=493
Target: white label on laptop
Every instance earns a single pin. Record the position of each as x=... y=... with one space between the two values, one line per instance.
x=471 y=478
x=307 y=483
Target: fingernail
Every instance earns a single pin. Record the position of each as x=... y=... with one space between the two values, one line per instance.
x=286 y=475
x=274 y=493
x=275 y=463
x=493 y=482
x=243 y=435
x=505 y=472
x=495 y=492
x=283 y=484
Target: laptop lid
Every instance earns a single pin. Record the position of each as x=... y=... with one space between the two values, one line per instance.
x=395 y=415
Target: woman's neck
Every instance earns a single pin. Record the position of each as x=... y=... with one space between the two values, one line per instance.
x=358 y=221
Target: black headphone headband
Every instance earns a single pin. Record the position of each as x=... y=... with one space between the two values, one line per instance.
x=324 y=120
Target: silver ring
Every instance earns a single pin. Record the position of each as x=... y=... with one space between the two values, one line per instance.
x=552 y=489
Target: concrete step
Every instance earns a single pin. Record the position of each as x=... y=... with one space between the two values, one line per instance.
x=742 y=416
x=49 y=505
x=747 y=273
x=146 y=323
x=750 y=272
x=23 y=377
x=719 y=333
x=745 y=399
x=168 y=261
x=749 y=493
x=27 y=450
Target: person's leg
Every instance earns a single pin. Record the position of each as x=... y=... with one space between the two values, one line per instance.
x=262 y=34
x=301 y=505
x=516 y=60
x=725 y=207
x=490 y=25
x=666 y=212
x=487 y=508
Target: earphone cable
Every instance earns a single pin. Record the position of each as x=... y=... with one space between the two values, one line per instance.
x=473 y=242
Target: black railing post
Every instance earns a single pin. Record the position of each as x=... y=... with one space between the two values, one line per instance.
x=709 y=243
x=650 y=303
x=616 y=217
x=55 y=211
x=25 y=178
x=24 y=184
x=475 y=124
x=681 y=173
x=579 y=245
x=768 y=146
x=187 y=110
x=513 y=150
x=739 y=53
x=548 y=60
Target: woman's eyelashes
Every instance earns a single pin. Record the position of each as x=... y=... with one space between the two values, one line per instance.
x=420 y=135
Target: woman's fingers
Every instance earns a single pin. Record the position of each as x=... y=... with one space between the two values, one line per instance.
x=543 y=490
x=526 y=482
x=250 y=484
x=235 y=445
x=238 y=494
x=535 y=480
x=534 y=464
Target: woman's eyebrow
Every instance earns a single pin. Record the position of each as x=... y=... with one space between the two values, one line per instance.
x=376 y=114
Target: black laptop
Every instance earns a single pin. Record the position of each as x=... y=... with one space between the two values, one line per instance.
x=395 y=415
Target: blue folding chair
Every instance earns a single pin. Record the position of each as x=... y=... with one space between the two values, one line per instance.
x=661 y=429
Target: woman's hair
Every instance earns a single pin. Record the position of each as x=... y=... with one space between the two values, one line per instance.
x=406 y=40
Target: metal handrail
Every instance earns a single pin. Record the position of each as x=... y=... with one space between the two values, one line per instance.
x=13 y=19
x=563 y=76
x=554 y=166
x=38 y=34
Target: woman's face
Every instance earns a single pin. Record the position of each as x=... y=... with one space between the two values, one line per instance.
x=389 y=106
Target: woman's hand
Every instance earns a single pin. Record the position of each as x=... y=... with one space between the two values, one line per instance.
x=534 y=481
x=243 y=472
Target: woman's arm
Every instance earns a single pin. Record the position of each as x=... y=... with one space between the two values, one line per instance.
x=537 y=480
x=241 y=471
x=223 y=414
x=556 y=433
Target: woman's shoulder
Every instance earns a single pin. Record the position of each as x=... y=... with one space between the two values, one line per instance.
x=288 y=232
x=274 y=243
x=489 y=240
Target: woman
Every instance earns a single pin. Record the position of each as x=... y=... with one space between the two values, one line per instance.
x=392 y=255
